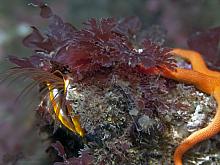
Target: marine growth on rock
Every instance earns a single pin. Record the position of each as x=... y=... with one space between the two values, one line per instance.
x=108 y=94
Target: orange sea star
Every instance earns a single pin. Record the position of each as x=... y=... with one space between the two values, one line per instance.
x=205 y=80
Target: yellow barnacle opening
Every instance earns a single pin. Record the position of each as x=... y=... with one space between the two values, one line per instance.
x=72 y=123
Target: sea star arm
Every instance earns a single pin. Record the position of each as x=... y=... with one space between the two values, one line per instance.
x=203 y=82
x=196 y=60
x=212 y=129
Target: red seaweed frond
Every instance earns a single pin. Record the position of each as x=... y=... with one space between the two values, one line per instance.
x=100 y=43
x=207 y=43
x=156 y=55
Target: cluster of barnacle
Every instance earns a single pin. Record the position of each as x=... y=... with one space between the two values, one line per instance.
x=126 y=115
